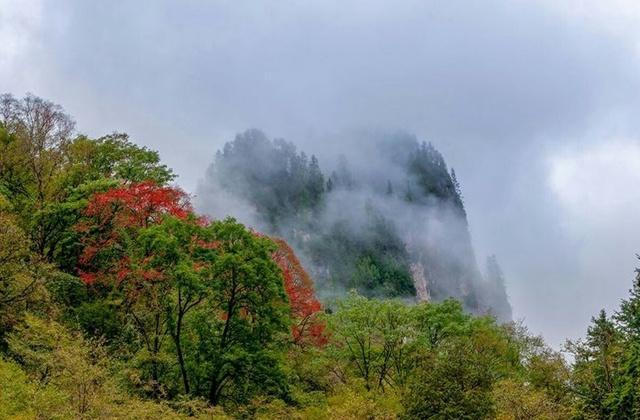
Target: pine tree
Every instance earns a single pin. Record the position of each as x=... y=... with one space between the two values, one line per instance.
x=329 y=185
x=627 y=396
x=459 y=199
x=315 y=183
x=628 y=317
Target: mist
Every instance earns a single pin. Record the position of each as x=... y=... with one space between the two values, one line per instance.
x=533 y=103
x=385 y=218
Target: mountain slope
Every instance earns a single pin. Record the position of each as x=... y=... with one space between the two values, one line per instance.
x=393 y=227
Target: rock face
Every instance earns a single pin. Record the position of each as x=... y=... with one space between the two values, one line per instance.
x=420 y=282
x=388 y=220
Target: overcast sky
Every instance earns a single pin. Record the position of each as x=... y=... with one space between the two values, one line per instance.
x=535 y=104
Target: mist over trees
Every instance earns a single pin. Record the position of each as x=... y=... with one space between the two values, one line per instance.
x=118 y=300
x=396 y=228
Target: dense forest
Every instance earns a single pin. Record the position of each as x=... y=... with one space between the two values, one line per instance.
x=119 y=300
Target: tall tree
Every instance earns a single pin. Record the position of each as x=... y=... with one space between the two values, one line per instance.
x=40 y=133
x=458 y=198
x=246 y=314
x=315 y=183
x=117 y=258
x=372 y=336
x=181 y=251
x=627 y=397
x=596 y=366
x=628 y=317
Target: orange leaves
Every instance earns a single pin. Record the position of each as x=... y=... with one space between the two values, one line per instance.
x=305 y=308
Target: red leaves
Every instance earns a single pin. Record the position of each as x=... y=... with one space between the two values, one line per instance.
x=113 y=213
x=87 y=278
x=305 y=308
x=138 y=205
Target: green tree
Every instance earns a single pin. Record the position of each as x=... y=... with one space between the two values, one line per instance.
x=436 y=323
x=183 y=251
x=456 y=381
x=115 y=157
x=517 y=400
x=596 y=366
x=39 y=132
x=626 y=401
x=628 y=317
x=370 y=336
x=315 y=183
x=22 y=274
x=243 y=321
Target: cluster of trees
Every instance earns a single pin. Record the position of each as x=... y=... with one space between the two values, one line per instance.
x=118 y=301
x=368 y=256
x=606 y=376
x=371 y=226
x=100 y=255
x=280 y=182
x=289 y=193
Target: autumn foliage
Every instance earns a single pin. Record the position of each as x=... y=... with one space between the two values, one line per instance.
x=110 y=216
x=114 y=216
x=138 y=205
x=305 y=308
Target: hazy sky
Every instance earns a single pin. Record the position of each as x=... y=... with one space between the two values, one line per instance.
x=536 y=105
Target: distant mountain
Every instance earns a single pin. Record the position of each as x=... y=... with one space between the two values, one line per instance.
x=393 y=224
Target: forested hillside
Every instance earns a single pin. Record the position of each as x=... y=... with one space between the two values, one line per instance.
x=392 y=226
x=118 y=300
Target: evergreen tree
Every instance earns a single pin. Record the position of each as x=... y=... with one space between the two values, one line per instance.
x=458 y=198
x=315 y=183
x=596 y=367
x=329 y=184
x=627 y=396
x=628 y=317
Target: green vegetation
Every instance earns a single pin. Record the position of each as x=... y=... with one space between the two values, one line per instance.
x=118 y=301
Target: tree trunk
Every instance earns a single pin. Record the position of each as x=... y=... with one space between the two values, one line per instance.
x=183 y=369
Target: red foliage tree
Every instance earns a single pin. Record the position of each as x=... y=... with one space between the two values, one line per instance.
x=113 y=215
x=115 y=255
x=138 y=205
x=308 y=328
